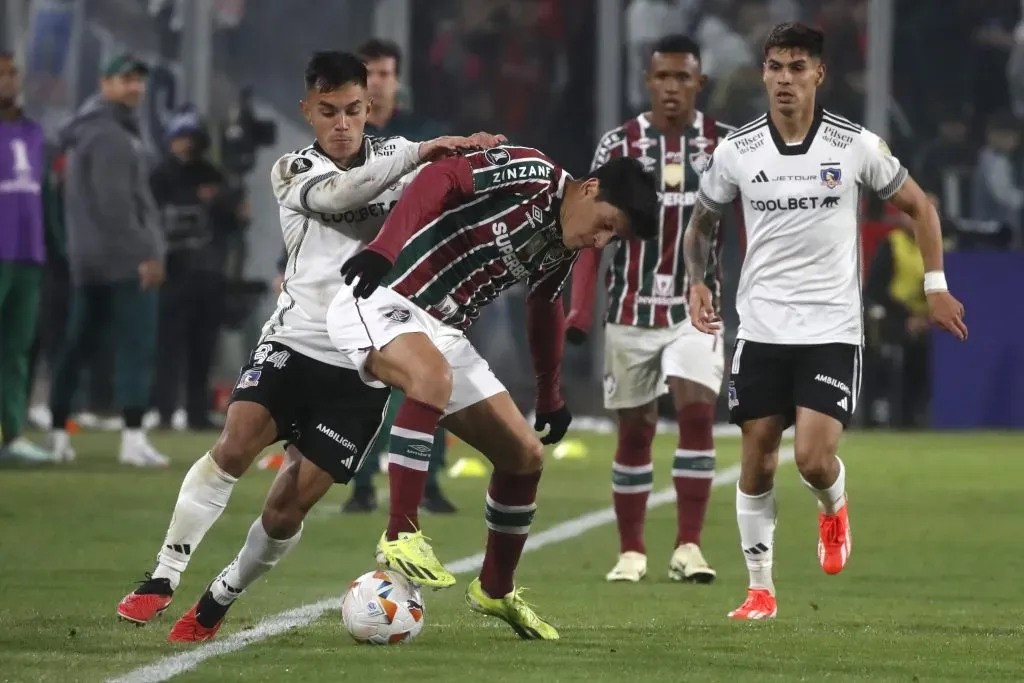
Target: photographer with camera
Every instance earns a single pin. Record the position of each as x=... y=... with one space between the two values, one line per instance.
x=201 y=211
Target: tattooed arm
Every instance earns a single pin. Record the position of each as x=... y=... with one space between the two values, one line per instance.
x=696 y=252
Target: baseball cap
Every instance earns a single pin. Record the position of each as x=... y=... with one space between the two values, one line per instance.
x=124 y=64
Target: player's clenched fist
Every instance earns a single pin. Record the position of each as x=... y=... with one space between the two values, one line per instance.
x=447 y=145
x=702 y=309
x=948 y=313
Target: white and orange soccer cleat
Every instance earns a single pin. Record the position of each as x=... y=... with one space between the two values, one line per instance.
x=189 y=630
x=146 y=602
x=834 y=540
x=760 y=604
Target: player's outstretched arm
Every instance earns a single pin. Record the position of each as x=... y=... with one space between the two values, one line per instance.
x=584 y=282
x=943 y=307
x=697 y=242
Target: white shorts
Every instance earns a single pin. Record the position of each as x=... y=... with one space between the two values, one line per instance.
x=357 y=326
x=638 y=360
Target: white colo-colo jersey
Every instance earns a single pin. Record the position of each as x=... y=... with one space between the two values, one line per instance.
x=327 y=214
x=800 y=280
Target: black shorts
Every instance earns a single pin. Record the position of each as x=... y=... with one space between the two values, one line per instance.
x=327 y=412
x=773 y=379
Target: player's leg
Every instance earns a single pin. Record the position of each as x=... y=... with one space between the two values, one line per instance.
x=761 y=403
x=89 y=315
x=495 y=427
x=20 y=288
x=632 y=384
x=826 y=392
x=334 y=432
x=364 y=496
x=265 y=396
x=434 y=500
x=390 y=341
x=298 y=486
x=135 y=312
x=694 y=363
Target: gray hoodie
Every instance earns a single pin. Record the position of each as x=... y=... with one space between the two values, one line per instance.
x=111 y=217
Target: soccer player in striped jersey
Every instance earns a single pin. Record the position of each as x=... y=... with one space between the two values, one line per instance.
x=467 y=229
x=651 y=347
x=798 y=171
x=296 y=387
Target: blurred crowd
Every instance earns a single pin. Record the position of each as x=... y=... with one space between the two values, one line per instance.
x=526 y=68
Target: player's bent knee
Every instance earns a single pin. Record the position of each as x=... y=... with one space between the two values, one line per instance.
x=532 y=457
x=430 y=382
x=813 y=460
x=282 y=519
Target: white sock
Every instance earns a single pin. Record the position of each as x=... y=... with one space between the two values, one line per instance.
x=832 y=499
x=132 y=438
x=203 y=496
x=755 y=516
x=257 y=557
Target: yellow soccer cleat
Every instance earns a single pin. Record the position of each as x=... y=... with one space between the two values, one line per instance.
x=411 y=556
x=511 y=609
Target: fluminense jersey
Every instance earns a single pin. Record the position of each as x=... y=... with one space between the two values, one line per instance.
x=505 y=231
x=647 y=281
x=800 y=280
x=329 y=213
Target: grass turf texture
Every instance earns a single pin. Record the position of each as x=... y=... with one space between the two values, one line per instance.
x=932 y=591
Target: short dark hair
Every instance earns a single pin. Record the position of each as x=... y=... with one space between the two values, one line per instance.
x=378 y=48
x=329 y=70
x=625 y=184
x=794 y=35
x=677 y=44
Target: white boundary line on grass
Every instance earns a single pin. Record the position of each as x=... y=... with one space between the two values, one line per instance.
x=168 y=667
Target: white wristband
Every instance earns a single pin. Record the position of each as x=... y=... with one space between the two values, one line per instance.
x=935 y=281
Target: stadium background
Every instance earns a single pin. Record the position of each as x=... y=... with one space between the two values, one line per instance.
x=931 y=593
x=555 y=74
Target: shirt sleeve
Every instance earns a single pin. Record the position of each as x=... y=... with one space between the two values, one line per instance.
x=438 y=187
x=718 y=185
x=512 y=170
x=612 y=145
x=879 y=169
x=307 y=183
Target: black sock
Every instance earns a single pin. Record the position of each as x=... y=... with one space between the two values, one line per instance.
x=133 y=418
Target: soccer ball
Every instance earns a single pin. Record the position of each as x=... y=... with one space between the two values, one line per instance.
x=382 y=608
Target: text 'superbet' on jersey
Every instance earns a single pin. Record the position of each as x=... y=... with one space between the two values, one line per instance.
x=506 y=230
x=800 y=281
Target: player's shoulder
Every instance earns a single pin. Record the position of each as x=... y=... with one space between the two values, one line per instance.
x=751 y=128
x=613 y=137
x=386 y=145
x=299 y=163
x=508 y=154
x=841 y=132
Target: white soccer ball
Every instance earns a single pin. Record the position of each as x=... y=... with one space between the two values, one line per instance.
x=382 y=608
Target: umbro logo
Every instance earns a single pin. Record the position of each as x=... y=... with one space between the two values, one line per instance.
x=843 y=403
x=761 y=177
x=398 y=315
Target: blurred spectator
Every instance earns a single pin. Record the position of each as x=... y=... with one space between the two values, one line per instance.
x=22 y=254
x=383 y=68
x=949 y=156
x=115 y=254
x=200 y=212
x=997 y=194
x=898 y=326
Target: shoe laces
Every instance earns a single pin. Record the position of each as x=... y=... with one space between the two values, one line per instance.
x=523 y=608
x=831 y=530
x=151 y=582
x=759 y=601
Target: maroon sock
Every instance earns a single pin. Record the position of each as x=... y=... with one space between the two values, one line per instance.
x=694 y=469
x=511 y=504
x=412 y=439
x=632 y=480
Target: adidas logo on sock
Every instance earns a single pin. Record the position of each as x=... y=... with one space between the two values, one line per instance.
x=758 y=549
x=183 y=548
x=842 y=403
x=761 y=177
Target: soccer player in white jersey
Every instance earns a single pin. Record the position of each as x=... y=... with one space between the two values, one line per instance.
x=797 y=171
x=334 y=196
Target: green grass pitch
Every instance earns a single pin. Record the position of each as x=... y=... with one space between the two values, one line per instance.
x=932 y=591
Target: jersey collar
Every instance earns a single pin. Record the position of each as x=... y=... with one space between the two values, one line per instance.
x=796 y=150
x=645 y=122
x=362 y=157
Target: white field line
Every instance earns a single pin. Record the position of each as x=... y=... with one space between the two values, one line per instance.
x=168 y=667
